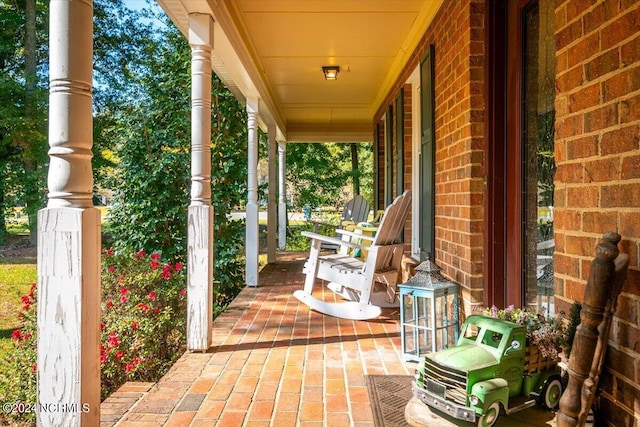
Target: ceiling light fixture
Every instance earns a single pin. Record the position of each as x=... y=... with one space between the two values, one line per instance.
x=331 y=72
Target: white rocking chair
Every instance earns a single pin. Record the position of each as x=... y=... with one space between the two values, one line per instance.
x=369 y=284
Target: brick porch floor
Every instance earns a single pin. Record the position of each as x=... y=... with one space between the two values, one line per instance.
x=273 y=363
x=276 y=363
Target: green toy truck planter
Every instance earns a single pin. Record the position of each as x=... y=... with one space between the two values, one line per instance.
x=491 y=368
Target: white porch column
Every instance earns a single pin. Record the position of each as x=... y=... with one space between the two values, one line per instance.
x=282 y=205
x=200 y=212
x=251 y=244
x=272 y=214
x=69 y=231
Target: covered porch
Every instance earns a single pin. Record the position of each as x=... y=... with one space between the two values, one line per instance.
x=431 y=87
x=274 y=362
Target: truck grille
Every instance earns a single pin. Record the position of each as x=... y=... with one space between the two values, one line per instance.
x=445 y=382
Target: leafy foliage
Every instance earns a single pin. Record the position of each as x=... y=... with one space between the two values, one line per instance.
x=320 y=174
x=18 y=384
x=24 y=104
x=143 y=299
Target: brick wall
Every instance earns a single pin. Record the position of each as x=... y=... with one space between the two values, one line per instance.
x=597 y=153
x=459 y=120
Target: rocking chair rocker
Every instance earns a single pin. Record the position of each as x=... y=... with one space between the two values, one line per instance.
x=369 y=284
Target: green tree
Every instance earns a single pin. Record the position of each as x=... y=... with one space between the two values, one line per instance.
x=325 y=174
x=142 y=141
x=151 y=143
x=23 y=40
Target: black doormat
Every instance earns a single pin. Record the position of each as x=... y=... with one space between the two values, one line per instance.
x=389 y=395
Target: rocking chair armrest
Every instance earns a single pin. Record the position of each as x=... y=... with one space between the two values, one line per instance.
x=356 y=235
x=327 y=239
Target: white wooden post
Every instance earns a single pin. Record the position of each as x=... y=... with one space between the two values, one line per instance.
x=282 y=194
x=200 y=212
x=251 y=243
x=69 y=232
x=272 y=214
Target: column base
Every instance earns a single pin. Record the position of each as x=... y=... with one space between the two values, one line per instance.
x=252 y=245
x=199 y=278
x=69 y=316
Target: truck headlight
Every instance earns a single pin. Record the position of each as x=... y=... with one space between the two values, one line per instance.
x=474 y=400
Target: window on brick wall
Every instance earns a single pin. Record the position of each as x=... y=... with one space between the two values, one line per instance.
x=538 y=59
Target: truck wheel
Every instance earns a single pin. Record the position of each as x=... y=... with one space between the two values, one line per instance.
x=551 y=394
x=490 y=416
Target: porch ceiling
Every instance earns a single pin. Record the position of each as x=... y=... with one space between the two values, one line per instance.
x=273 y=51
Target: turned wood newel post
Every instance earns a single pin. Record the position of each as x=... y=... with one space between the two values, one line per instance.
x=69 y=232
x=597 y=294
x=200 y=212
x=282 y=196
x=251 y=248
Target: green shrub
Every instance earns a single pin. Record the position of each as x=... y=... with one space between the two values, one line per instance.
x=143 y=318
x=18 y=383
x=143 y=327
x=229 y=262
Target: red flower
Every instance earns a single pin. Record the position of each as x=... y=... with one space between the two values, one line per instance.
x=140 y=254
x=123 y=299
x=143 y=307
x=27 y=336
x=182 y=291
x=26 y=300
x=167 y=267
x=121 y=279
x=124 y=290
x=113 y=340
x=109 y=252
x=178 y=266
x=152 y=296
x=119 y=354
x=112 y=269
x=103 y=358
x=26 y=307
x=34 y=367
x=102 y=326
x=156 y=310
x=128 y=368
x=166 y=274
x=154 y=264
x=155 y=256
x=109 y=303
x=17 y=335
x=134 y=325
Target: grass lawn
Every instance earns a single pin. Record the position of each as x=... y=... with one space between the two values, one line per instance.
x=16 y=277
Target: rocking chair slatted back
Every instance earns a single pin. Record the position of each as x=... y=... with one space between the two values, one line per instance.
x=356 y=210
x=393 y=221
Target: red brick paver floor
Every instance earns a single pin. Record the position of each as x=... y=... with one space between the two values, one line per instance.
x=273 y=363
